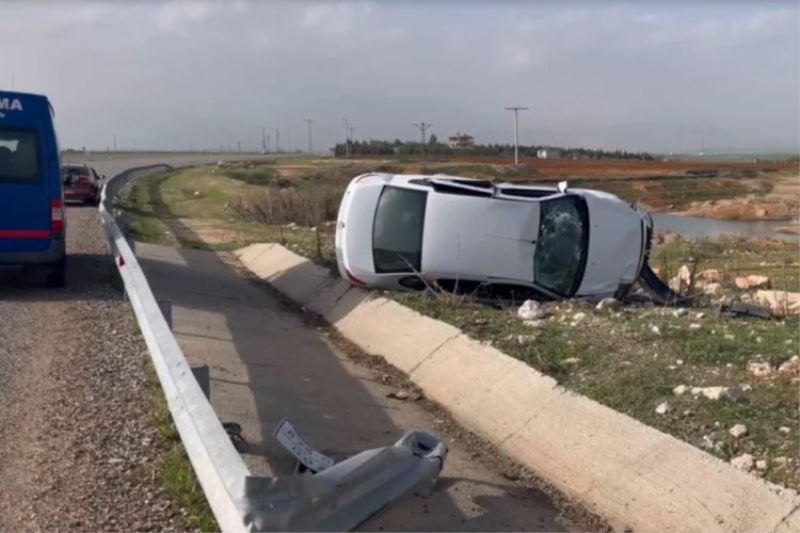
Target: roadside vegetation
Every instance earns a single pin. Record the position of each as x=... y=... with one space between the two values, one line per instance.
x=651 y=363
x=177 y=475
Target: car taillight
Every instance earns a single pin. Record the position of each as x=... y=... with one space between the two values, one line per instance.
x=56 y=215
x=354 y=279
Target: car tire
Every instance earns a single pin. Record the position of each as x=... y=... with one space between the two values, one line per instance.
x=58 y=277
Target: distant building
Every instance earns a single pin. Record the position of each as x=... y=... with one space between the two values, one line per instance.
x=548 y=153
x=461 y=140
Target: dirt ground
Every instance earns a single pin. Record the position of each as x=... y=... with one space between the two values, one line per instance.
x=781 y=203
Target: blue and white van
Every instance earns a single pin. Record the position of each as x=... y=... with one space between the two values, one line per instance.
x=32 y=218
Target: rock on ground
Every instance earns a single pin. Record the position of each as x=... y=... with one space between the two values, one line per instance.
x=743 y=462
x=780 y=303
x=531 y=310
x=608 y=304
x=752 y=282
x=737 y=431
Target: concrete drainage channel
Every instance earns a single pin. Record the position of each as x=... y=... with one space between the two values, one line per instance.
x=631 y=474
x=327 y=497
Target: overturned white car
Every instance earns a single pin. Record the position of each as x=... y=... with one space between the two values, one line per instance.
x=470 y=235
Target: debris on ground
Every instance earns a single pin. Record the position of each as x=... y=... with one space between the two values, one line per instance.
x=785 y=430
x=680 y=390
x=608 y=304
x=737 y=431
x=759 y=368
x=714 y=393
x=743 y=462
x=662 y=408
x=399 y=395
x=761 y=465
x=734 y=309
x=531 y=310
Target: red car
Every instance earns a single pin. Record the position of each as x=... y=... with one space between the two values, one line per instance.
x=81 y=183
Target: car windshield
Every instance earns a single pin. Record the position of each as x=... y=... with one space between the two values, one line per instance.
x=18 y=155
x=397 y=232
x=560 y=255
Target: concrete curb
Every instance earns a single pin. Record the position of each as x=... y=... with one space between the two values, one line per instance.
x=629 y=473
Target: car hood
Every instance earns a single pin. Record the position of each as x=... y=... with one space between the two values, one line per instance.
x=479 y=237
x=616 y=244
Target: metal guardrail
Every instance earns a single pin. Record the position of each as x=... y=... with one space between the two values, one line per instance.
x=335 y=499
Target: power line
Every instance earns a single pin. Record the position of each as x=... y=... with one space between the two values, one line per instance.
x=422 y=127
x=309 y=121
x=516 y=110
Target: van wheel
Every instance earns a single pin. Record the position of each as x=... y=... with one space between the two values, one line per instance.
x=58 y=277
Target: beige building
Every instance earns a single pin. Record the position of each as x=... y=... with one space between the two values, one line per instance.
x=461 y=140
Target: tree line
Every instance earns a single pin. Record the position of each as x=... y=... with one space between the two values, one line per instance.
x=434 y=147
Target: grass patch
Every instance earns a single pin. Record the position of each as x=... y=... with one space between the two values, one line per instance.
x=177 y=475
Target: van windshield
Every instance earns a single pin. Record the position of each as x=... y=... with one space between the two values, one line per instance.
x=397 y=231
x=19 y=155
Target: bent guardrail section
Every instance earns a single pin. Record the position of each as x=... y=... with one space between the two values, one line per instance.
x=338 y=498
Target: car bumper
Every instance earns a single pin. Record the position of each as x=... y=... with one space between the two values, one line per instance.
x=44 y=259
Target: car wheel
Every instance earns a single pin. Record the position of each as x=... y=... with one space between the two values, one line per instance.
x=58 y=277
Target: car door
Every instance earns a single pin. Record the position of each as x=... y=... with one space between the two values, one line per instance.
x=24 y=198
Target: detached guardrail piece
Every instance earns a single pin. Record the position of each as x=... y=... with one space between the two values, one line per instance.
x=347 y=493
x=335 y=499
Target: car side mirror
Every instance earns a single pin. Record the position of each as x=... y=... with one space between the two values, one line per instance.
x=562 y=187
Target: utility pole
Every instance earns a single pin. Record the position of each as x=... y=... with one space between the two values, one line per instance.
x=516 y=110
x=309 y=121
x=264 y=139
x=347 y=133
x=422 y=127
x=115 y=142
x=277 y=140
x=268 y=145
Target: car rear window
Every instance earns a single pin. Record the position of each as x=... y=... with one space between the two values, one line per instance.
x=19 y=155
x=397 y=231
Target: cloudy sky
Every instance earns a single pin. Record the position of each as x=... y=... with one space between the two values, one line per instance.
x=659 y=76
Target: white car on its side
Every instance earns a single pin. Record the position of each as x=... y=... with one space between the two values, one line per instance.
x=471 y=235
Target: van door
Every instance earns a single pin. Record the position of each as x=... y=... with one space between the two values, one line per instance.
x=24 y=190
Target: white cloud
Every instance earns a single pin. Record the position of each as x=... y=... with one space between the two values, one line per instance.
x=176 y=13
x=337 y=18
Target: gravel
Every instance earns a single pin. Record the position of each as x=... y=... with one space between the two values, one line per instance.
x=77 y=449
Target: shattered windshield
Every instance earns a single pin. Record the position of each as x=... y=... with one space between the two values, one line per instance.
x=560 y=254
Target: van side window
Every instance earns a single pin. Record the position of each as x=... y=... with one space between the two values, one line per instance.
x=19 y=155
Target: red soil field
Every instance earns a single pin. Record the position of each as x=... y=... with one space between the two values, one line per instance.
x=624 y=168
